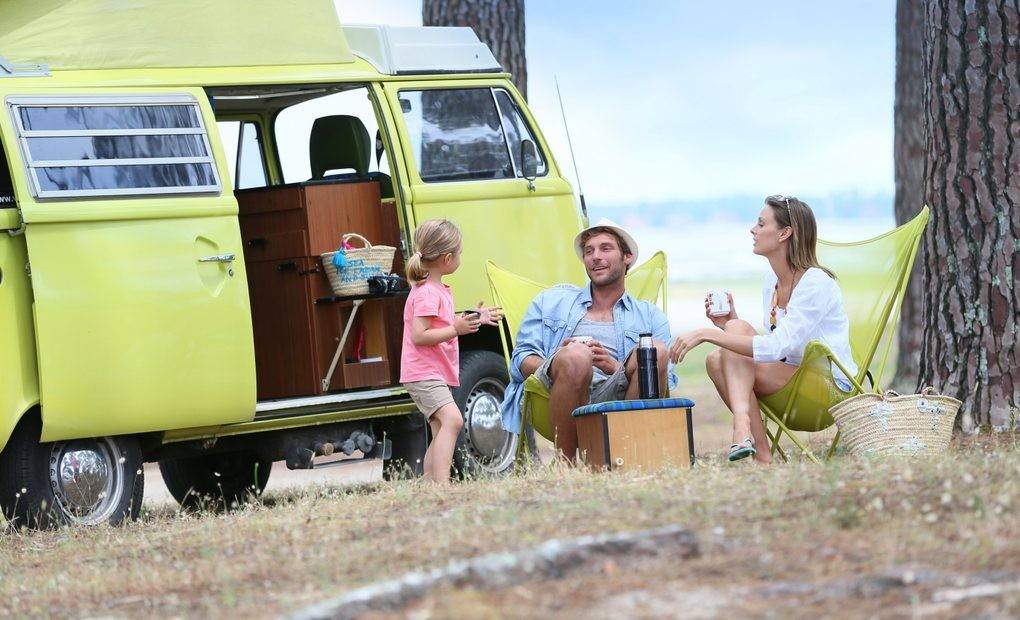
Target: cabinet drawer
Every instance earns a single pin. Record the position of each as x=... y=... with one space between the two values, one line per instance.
x=258 y=248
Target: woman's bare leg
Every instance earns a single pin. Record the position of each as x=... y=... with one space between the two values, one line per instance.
x=738 y=372
x=768 y=378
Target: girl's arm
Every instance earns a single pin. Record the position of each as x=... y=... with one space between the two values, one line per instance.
x=424 y=335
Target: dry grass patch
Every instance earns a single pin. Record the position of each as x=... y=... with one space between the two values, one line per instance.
x=793 y=523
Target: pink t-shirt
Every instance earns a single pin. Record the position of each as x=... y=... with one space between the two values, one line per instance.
x=440 y=362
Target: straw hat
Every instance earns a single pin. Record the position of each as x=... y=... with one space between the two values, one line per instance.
x=607 y=223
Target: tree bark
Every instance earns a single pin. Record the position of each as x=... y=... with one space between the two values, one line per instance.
x=908 y=154
x=498 y=23
x=972 y=182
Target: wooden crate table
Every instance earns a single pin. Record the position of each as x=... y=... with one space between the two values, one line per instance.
x=630 y=435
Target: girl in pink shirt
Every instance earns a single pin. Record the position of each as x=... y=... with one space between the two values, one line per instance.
x=430 y=358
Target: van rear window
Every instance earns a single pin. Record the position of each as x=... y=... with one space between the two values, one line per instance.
x=110 y=146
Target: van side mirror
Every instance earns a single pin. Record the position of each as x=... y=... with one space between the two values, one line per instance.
x=529 y=162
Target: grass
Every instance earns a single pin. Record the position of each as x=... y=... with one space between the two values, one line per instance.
x=794 y=539
x=794 y=523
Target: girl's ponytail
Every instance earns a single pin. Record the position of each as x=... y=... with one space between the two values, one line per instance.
x=433 y=239
x=415 y=270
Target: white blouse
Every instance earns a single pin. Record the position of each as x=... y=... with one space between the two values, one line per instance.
x=815 y=312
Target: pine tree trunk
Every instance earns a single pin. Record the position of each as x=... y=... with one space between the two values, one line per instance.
x=908 y=154
x=498 y=23
x=972 y=182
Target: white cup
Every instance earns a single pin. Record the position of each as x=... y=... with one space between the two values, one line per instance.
x=718 y=303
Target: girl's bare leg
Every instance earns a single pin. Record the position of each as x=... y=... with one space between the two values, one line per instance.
x=427 y=461
x=444 y=441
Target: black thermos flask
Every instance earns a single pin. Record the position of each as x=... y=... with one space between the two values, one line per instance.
x=647 y=367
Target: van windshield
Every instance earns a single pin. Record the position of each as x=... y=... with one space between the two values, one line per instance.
x=6 y=186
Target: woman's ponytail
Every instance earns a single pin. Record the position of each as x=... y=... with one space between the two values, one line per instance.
x=433 y=239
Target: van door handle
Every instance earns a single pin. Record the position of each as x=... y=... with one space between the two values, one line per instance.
x=218 y=258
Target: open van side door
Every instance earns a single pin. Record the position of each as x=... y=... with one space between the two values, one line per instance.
x=141 y=302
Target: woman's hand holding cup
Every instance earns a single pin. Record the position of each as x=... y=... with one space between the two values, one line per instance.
x=722 y=310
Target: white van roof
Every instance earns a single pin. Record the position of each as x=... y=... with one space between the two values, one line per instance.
x=396 y=50
x=146 y=34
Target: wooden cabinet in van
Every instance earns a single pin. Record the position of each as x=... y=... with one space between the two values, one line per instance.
x=297 y=320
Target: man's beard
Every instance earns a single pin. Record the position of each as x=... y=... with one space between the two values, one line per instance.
x=609 y=277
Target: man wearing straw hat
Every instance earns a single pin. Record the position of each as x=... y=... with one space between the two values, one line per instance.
x=579 y=340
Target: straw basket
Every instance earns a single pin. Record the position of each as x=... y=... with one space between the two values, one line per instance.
x=890 y=423
x=357 y=266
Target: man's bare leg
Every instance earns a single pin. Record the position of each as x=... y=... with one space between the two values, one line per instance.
x=571 y=372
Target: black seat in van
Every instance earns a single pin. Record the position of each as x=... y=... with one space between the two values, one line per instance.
x=341 y=142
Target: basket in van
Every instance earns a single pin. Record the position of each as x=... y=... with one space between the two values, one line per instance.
x=349 y=268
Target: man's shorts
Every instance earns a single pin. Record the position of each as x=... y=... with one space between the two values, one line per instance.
x=602 y=389
x=429 y=395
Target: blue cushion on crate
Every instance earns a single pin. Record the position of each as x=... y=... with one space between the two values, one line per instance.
x=633 y=405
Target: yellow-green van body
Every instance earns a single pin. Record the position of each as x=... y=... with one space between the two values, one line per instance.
x=120 y=330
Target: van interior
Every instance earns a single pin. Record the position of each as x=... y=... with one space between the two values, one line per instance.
x=6 y=186
x=308 y=166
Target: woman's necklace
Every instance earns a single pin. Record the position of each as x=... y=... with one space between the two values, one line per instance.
x=773 y=320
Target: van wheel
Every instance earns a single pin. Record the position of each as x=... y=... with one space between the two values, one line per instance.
x=484 y=446
x=409 y=438
x=77 y=482
x=218 y=481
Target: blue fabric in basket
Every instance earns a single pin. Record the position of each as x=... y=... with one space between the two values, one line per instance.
x=633 y=405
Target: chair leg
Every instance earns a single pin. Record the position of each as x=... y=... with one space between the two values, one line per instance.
x=774 y=440
x=832 y=448
x=796 y=440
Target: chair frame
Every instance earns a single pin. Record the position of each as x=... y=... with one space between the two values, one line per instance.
x=891 y=319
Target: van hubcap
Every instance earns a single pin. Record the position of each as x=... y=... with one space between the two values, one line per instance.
x=491 y=446
x=86 y=479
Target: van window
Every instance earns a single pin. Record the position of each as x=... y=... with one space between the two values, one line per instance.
x=242 y=143
x=456 y=134
x=516 y=130
x=110 y=146
x=333 y=136
x=6 y=186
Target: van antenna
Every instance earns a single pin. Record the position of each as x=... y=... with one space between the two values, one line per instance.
x=570 y=144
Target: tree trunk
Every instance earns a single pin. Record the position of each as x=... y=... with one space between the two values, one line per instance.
x=972 y=182
x=908 y=154
x=498 y=23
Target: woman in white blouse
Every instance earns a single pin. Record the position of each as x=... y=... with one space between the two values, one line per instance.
x=802 y=302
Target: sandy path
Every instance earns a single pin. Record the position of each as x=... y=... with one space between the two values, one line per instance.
x=281 y=478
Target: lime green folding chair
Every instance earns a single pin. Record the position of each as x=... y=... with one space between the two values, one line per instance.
x=514 y=293
x=872 y=276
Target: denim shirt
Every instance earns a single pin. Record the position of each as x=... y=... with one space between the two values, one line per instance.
x=552 y=317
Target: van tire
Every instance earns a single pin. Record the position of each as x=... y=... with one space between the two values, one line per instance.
x=409 y=438
x=218 y=481
x=35 y=491
x=483 y=448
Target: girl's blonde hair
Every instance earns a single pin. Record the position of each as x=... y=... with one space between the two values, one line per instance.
x=795 y=213
x=432 y=240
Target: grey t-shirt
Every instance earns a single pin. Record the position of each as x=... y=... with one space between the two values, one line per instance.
x=604 y=333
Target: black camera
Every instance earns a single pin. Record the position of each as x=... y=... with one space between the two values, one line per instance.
x=381 y=285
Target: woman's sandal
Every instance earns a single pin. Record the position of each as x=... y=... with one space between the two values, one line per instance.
x=742 y=450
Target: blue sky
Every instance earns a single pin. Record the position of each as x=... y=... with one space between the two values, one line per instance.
x=676 y=101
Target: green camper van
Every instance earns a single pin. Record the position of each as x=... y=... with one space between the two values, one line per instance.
x=170 y=174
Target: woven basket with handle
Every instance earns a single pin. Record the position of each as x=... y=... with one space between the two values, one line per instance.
x=360 y=265
x=889 y=423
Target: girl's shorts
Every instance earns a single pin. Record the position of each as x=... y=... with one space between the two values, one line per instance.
x=429 y=395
